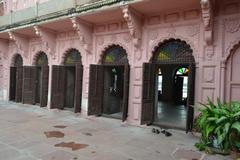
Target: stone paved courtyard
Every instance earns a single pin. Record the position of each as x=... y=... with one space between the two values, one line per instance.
x=33 y=133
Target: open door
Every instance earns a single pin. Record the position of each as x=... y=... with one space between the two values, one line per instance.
x=178 y=90
x=12 y=85
x=125 y=92
x=148 y=93
x=78 y=88
x=190 y=100
x=19 y=84
x=44 y=86
x=95 y=92
x=29 y=80
x=57 y=92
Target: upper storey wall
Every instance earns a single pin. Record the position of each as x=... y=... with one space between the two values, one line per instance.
x=16 y=5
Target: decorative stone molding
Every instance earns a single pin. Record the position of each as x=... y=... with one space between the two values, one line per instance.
x=171 y=31
x=134 y=23
x=231 y=48
x=193 y=30
x=209 y=52
x=232 y=25
x=3 y=48
x=48 y=39
x=207 y=16
x=21 y=42
x=84 y=31
x=100 y=41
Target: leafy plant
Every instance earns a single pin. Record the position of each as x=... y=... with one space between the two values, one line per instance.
x=220 y=125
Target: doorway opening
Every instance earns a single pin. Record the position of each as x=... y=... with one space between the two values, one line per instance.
x=113 y=91
x=67 y=83
x=109 y=85
x=171 y=96
x=35 y=81
x=16 y=79
x=168 y=86
x=41 y=88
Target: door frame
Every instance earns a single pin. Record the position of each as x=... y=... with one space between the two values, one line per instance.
x=104 y=67
x=125 y=108
x=190 y=109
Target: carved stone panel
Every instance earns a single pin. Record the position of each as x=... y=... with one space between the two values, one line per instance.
x=207 y=92
x=209 y=75
x=137 y=91
x=138 y=73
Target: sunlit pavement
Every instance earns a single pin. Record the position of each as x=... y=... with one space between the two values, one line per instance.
x=33 y=133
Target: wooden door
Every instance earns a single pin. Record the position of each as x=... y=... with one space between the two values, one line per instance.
x=95 y=92
x=29 y=84
x=148 y=93
x=44 y=86
x=58 y=87
x=19 y=84
x=78 y=88
x=125 y=92
x=12 y=84
x=38 y=84
x=178 y=90
x=190 y=99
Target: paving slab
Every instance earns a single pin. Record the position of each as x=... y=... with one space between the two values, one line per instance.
x=24 y=136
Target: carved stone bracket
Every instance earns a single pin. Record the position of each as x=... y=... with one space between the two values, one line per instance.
x=134 y=23
x=48 y=39
x=85 y=33
x=207 y=16
x=3 y=48
x=21 y=42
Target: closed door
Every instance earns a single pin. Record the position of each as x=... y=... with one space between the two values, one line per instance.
x=70 y=87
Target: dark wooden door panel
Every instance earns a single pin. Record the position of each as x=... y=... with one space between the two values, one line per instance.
x=190 y=100
x=19 y=84
x=78 y=88
x=95 y=93
x=126 y=91
x=148 y=93
x=44 y=86
x=57 y=92
x=12 y=84
x=29 y=84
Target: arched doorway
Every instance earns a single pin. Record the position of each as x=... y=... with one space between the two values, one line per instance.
x=35 y=81
x=168 y=86
x=109 y=84
x=16 y=79
x=232 y=77
x=67 y=82
x=42 y=75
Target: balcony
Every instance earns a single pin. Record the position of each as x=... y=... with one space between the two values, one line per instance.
x=50 y=10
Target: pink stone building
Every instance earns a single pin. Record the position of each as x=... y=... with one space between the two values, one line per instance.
x=142 y=61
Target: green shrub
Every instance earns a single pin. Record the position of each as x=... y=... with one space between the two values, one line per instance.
x=220 y=126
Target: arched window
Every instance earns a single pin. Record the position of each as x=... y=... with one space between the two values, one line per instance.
x=173 y=51
x=18 y=61
x=182 y=71
x=41 y=59
x=73 y=57
x=115 y=54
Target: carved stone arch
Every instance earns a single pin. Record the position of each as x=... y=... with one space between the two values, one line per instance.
x=162 y=40
x=37 y=55
x=14 y=57
x=231 y=49
x=67 y=52
x=109 y=45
